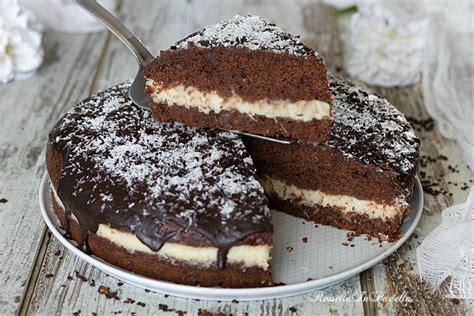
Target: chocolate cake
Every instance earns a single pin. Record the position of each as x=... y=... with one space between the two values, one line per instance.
x=244 y=74
x=359 y=179
x=161 y=199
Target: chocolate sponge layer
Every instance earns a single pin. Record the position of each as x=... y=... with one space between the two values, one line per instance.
x=252 y=75
x=230 y=120
x=320 y=167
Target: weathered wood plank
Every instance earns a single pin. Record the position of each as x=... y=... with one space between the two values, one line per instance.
x=399 y=274
x=55 y=293
x=65 y=292
x=28 y=110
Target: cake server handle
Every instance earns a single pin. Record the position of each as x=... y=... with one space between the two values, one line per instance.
x=141 y=53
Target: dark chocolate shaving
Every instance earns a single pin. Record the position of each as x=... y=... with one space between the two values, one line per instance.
x=368 y=128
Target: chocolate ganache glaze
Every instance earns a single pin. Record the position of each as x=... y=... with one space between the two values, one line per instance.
x=160 y=181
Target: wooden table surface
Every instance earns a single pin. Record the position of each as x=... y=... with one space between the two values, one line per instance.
x=37 y=274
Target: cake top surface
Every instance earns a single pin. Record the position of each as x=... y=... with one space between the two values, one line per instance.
x=131 y=171
x=247 y=31
x=370 y=129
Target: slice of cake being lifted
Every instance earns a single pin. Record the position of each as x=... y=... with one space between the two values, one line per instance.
x=243 y=74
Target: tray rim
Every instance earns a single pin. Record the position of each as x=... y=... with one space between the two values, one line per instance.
x=218 y=293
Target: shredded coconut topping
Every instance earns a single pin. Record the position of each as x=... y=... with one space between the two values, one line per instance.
x=247 y=31
x=370 y=129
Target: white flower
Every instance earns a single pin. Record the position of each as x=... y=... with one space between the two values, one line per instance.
x=20 y=45
x=387 y=42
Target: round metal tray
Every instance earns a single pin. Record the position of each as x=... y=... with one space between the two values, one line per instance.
x=322 y=259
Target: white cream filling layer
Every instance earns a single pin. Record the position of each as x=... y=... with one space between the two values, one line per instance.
x=190 y=97
x=344 y=203
x=249 y=256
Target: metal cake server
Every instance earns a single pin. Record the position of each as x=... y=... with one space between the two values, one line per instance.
x=142 y=55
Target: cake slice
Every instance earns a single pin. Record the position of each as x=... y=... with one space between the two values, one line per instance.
x=243 y=74
x=164 y=200
x=360 y=179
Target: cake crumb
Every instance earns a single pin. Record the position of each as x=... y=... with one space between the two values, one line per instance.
x=3 y=200
x=205 y=312
x=292 y=309
x=289 y=248
x=165 y=308
x=80 y=277
x=49 y=276
x=105 y=290
x=422 y=125
x=350 y=235
x=305 y=239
